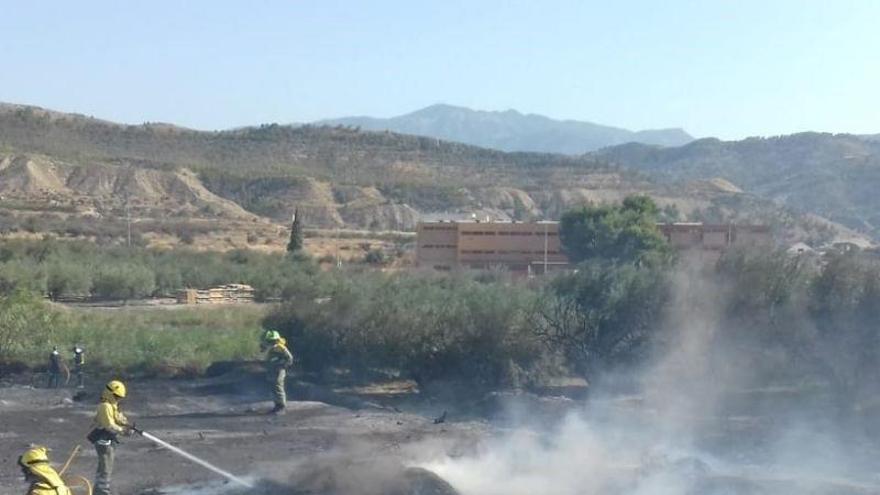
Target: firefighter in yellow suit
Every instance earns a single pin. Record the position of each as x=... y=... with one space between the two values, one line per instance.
x=109 y=423
x=43 y=478
x=278 y=359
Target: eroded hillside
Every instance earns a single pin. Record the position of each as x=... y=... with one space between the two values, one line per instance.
x=831 y=175
x=335 y=176
x=100 y=189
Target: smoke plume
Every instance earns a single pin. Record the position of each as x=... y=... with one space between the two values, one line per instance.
x=702 y=420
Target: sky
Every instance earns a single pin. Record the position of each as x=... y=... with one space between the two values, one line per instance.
x=729 y=69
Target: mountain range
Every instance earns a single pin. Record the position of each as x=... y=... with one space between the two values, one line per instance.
x=511 y=130
x=58 y=169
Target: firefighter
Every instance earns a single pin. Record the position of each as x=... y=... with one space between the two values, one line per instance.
x=56 y=365
x=109 y=423
x=41 y=476
x=79 y=362
x=265 y=342
x=278 y=359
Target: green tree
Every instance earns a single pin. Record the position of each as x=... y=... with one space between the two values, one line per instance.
x=24 y=321
x=375 y=257
x=124 y=281
x=520 y=212
x=626 y=232
x=22 y=274
x=168 y=279
x=427 y=327
x=296 y=234
x=603 y=314
x=670 y=213
x=68 y=278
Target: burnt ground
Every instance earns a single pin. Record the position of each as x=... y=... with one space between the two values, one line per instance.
x=223 y=420
x=351 y=440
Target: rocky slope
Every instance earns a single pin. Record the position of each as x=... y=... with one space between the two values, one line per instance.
x=830 y=175
x=336 y=177
x=99 y=189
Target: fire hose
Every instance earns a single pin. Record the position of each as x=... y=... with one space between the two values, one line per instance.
x=76 y=483
x=190 y=457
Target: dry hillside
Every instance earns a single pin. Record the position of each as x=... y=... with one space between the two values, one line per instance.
x=335 y=176
x=831 y=175
x=101 y=189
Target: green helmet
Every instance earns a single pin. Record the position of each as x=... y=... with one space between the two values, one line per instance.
x=271 y=336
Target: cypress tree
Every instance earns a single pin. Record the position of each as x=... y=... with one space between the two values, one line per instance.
x=296 y=234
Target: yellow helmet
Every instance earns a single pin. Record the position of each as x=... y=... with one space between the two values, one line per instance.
x=34 y=455
x=117 y=388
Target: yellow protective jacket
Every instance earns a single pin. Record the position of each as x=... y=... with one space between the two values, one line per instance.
x=47 y=481
x=108 y=416
x=278 y=355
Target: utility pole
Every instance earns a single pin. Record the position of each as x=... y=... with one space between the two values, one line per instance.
x=336 y=247
x=128 y=220
x=545 y=247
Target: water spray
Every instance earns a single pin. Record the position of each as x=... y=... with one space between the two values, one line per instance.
x=187 y=455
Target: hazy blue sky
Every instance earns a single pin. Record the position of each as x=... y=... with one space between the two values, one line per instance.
x=722 y=68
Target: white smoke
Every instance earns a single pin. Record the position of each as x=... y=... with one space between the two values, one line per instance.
x=677 y=435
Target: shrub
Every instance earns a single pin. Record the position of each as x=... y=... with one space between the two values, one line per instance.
x=428 y=327
x=25 y=322
x=123 y=281
x=603 y=315
x=186 y=236
x=375 y=257
x=143 y=340
x=168 y=279
x=22 y=274
x=65 y=279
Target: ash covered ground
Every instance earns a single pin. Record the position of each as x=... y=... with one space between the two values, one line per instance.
x=497 y=444
x=315 y=448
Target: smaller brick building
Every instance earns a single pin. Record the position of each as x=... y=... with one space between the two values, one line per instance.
x=707 y=242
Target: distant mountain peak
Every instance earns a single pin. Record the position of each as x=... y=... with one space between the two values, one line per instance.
x=512 y=130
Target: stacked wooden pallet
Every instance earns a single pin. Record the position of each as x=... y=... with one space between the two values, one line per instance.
x=224 y=294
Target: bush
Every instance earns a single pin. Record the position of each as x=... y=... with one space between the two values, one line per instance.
x=141 y=340
x=76 y=268
x=168 y=279
x=123 y=281
x=603 y=315
x=375 y=257
x=816 y=317
x=22 y=274
x=427 y=327
x=65 y=279
x=25 y=322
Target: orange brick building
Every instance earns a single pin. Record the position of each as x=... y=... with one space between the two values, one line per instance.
x=532 y=248
x=707 y=242
x=519 y=247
